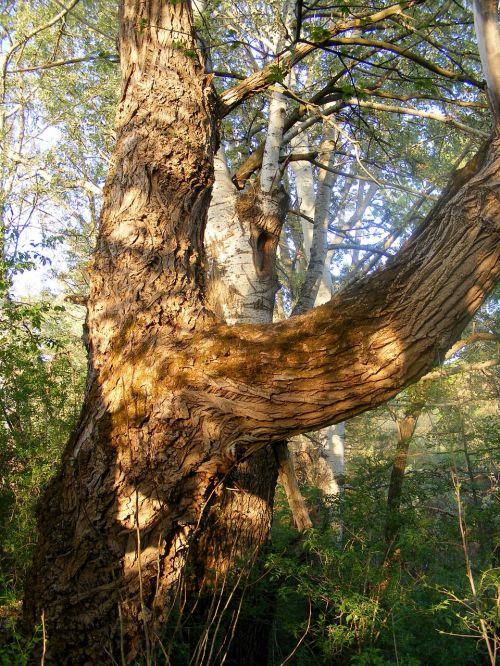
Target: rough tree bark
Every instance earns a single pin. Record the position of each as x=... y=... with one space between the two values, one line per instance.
x=405 y=428
x=101 y=537
x=174 y=397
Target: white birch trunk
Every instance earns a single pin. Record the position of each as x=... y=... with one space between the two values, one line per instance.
x=316 y=288
x=236 y=292
x=240 y=293
x=269 y=175
x=488 y=40
x=326 y=465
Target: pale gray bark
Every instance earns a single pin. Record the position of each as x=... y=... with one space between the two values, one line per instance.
x=488 y=40
x=317 y=273
x=328 y=460
x=270 y=176
x=236 y=292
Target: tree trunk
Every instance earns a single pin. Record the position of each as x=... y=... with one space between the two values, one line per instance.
x=317 y=285
x=242 y=288
x=174 y=397
x=114 y=527
x=241 y=239
x=238 y=520
x=405 y=428
x=323 y=461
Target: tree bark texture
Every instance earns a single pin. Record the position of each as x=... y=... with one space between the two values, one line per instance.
x=175 y=397
x=106 y=530
x=405 y=428
x=241 y=240
x=238 y=521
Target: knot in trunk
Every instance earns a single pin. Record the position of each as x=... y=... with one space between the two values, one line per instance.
x=263 y=214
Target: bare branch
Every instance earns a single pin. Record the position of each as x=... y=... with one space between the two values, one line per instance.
x=449 y=371
x=110 y=57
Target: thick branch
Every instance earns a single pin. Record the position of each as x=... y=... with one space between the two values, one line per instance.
x=383 y=333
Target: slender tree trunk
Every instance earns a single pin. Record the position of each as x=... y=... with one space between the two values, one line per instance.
x=405 y=429
x=488 y=39
x=323 y=467
x=316 y=287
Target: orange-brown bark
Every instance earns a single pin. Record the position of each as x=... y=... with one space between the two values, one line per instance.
x=105 y=527
x=405 y=428
x=175 y=398
x=372 y=340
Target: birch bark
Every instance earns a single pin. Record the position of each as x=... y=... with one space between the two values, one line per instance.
x=325 y=467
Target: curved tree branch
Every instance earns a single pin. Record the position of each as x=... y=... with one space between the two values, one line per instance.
x=381 y=334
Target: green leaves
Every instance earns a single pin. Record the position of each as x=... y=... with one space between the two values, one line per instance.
x=42 y=364
x=180 y=46
x=276 y=74
x=318 y=34
x=349 y=91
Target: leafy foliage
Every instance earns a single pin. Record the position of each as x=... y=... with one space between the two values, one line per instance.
x=41 y=385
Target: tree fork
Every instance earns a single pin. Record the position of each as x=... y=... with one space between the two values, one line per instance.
x=175 y=398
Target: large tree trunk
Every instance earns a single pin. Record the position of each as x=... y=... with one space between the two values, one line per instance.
x=174 y=397
x=114 y=527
